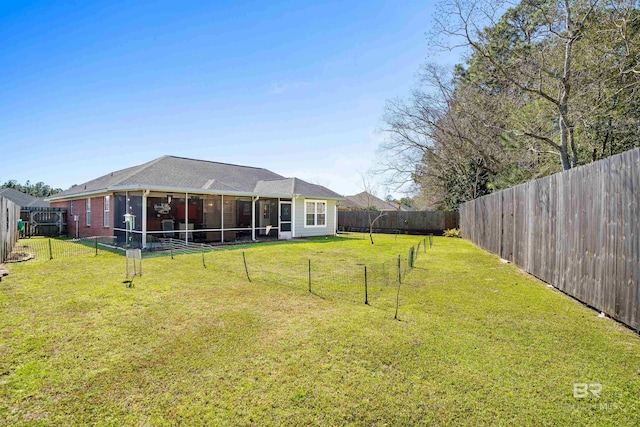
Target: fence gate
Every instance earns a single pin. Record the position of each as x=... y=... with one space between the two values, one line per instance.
x=44 y=221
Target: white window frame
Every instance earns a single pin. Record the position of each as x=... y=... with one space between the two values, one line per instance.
x=315 y=213
x=88 y=212
x=107 y=211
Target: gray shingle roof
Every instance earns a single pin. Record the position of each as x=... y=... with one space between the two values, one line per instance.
x=364 y=200
x=200 y=175
x=22 y=199
x=294 y=186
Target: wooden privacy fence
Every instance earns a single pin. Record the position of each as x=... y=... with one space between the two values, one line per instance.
x=578 y=230
x=414 y=222
x=9 y=215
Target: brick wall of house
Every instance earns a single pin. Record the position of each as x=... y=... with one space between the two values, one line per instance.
x=79 y=207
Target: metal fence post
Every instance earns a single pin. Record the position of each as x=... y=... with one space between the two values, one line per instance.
x=171 y=246
x=366 y=291
x=50 y=251
x=203 y=263
x=309 y=276
x=245 y=266
x=395 y=316
x=96 y=245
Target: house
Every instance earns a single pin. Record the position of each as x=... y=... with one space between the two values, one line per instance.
x=22 y=199
x=363 y=201
x=197 y=201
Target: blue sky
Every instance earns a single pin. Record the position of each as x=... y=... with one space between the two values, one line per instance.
x=295 y=87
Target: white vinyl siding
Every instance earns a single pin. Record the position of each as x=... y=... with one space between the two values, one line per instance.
x=107 y=210
x=300 y=219
x=88 y=212
x=315 y=213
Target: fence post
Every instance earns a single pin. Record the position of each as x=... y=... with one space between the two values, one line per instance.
x=96 y=245
x=398 y=292
x=431 y=240
x=309 y=275
x=412 y=252
x=50 y=251
x=171 y=246
x=425 y=245
x=366 y=291
x=203 y=263
x=246 y=270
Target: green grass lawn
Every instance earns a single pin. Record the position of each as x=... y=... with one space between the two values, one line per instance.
x=478 y=342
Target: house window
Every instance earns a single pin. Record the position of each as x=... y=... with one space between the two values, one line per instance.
x=107 y=210
x=315 y=213
x=88 y=215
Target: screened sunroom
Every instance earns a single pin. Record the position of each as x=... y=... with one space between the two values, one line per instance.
x=199 y=218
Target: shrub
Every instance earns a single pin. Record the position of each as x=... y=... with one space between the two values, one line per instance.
x=452 y=232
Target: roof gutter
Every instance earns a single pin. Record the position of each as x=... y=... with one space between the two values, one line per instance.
x=163 y=189
x=55 y=198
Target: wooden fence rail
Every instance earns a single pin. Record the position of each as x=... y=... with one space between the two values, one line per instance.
x=415 y=222
x=578 y=230
x=9 y=215
x=43 y=221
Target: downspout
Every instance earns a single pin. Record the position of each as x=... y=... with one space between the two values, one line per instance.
x=145 y=194
x=253 y=218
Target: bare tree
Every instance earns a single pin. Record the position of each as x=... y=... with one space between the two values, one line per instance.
x=368 y=189
x=546 y=84
x=444 y=135
x=538 y=64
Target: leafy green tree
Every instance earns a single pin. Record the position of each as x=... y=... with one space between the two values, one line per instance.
x=39 y=189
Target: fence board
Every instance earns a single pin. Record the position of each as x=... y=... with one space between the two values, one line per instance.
x=577 y=230
x=397 y=221
x=9 y=215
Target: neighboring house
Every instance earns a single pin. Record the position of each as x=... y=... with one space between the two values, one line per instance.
x=22 y=199
x=198 y=201
x=363 y=201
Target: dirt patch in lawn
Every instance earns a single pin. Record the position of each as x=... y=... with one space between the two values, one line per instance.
x=19 y=256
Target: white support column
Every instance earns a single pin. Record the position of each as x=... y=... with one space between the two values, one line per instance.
x=127 y=207
x=145 y=193
x=253 y=219
x=186 y=218
x=222 y=218
x=293 y=217
x=335 y=219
